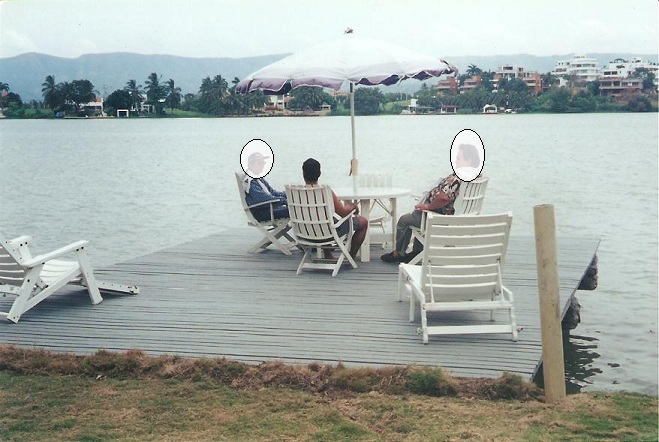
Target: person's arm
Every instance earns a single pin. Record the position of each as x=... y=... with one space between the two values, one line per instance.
x=343 y=210
x=274 y=192
x=440 y=200
x=257 y=195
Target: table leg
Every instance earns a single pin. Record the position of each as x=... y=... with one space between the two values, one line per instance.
x=394 y=220
x=365 y=250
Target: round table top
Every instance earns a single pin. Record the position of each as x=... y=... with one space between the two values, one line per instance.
x=356 y=192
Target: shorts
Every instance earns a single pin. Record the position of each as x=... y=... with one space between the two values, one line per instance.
x=343 y=228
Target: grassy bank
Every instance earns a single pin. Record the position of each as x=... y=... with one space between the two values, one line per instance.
x=130 y=396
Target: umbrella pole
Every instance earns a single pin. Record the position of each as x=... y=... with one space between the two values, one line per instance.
x=354 y=166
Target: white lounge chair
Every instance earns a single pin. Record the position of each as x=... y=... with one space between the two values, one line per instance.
x=469 y=202
x=461 y=271
x=312 y=219
x=273 y=229
x=33 y=279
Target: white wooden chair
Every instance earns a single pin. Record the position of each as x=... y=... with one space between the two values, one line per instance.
x=469 y=202
x=380 y=211
x=33 y=279
x=461 y=271
x=314 y=226
x=273 y=229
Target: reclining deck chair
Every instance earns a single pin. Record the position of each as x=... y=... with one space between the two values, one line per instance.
x=273 y=229
x=33 y=279
x=469 y=202
x=312 y=220
x=461 y=271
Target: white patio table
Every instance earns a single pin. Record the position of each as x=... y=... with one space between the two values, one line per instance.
x=364 y=195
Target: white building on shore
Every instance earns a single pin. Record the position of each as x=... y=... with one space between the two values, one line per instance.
x=581 y=67
x=621 y=68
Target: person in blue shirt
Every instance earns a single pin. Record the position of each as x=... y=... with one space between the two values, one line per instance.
x=258 y=190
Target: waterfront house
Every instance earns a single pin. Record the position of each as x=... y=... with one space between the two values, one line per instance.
x=580 y=67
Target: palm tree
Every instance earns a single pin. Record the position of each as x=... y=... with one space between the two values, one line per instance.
x=49 y=91
x=173 y=95
x=4 y=87
x=473 y=70
x=154 y=92
x=135 y=91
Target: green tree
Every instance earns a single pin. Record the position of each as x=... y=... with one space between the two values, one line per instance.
x=255 y=101
x=4 y=87
x=593 y=87
x=80 y=92
x=427 y=97
x=638 y=103
x=135 y=91
x=560 y=100
x=311 y=97
x=475 y=99
x=368 y=100
x=50 y=93
x=583 y=101
x=155 y=92
x=549 y=80
x=473 y=70
x=648 y=78
x=119 y=99
x=173 y=99
x=212 y=94
x=513 y=93
x=487 y=80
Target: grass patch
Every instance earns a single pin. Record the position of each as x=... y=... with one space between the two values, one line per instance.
x=131 y=396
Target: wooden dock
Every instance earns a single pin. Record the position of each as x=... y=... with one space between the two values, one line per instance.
x=210 y=298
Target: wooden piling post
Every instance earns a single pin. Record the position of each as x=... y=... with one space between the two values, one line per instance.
x=550 y=313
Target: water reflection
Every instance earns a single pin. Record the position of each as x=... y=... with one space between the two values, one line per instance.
x=579 y=356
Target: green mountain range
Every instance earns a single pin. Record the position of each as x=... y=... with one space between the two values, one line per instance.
x=108 y=72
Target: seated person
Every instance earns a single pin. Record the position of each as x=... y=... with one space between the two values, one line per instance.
x=311 y=173
x=258 y=190
x=440 y=200
x=467 y=164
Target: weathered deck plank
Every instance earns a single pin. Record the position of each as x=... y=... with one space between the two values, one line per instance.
x=210 y=298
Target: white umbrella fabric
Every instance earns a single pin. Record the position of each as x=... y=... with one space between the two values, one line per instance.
x=349 y=59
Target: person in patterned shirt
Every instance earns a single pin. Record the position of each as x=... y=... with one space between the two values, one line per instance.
x=439 y=199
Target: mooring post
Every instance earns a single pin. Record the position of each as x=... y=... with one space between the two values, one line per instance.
x=553 y=365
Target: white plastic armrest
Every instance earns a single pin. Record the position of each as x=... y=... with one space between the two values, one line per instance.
x=41 y=259
x=262 y=203
x=340 y=221
x=20 y=239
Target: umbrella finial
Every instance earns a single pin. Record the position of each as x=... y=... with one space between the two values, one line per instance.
x=348 y=30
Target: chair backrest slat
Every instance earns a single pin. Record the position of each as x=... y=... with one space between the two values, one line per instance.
x=463 y=255
x=11 y=272
x=311 y=212
x=471 y=196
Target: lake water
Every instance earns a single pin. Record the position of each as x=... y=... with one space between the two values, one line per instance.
x=136 y=186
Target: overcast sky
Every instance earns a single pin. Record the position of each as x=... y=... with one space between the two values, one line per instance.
x=242 y=28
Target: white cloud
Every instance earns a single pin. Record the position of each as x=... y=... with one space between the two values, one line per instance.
x=13 y=43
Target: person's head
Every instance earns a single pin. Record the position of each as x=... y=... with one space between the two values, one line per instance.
x=468 y=156
x=311 y=171
x=256 y=162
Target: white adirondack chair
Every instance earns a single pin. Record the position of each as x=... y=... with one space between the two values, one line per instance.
x=469 y=202
x=461 y=271
x=33 y=279
x=312 y=219
x=274 y=230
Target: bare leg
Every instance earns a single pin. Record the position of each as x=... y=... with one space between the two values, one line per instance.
x=359 y=236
